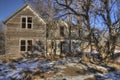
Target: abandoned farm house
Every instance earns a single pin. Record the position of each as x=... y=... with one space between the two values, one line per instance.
x=26 y=31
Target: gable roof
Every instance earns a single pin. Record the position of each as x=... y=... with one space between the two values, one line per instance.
x=20 y=9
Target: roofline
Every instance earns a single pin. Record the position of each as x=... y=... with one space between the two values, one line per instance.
x=19 y=9
x=4 y=21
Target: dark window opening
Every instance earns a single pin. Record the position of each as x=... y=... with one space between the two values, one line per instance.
x=62 y=46
x=29 y=42
x=23 y=22
x=22 y=42
x=26 y=45
x=29 y=48
x=61 y=31
x=23 y=19
x=29 y=45
x=23 y=48
x=27 y=22
x=23 y=25
x=29 y=26
x=30 y=19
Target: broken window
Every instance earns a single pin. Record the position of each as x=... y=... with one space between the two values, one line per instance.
x=62 y=31
x=23 y=22
x=27 y=22
x=29 y=45
x=25 y=45
x=62 y=47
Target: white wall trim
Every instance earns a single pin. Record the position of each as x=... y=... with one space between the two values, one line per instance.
x=26 y=39
x=29 y=7
x=26 y=22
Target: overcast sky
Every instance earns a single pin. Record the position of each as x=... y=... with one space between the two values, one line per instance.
x=7 y=7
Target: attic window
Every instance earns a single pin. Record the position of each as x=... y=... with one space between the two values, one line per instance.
x=27 y=22
x=23 y=22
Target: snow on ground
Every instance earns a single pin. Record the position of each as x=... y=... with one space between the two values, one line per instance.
x=106 y=76
x=6 y=72
x=117 y=51
x=14 y=70
x=109 y=76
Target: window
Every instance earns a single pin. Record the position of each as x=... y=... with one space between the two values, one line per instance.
x=25 y=45
x=62 y=47
x=62 y=31
x=80 y=33
x=47 y=33
x=29 y=45
x=27 y=22
x=23 y=22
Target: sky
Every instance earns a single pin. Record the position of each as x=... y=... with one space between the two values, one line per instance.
x=8 y=7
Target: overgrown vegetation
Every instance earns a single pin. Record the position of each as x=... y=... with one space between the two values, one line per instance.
x=98 y=22
x=2 y=39
x=99 y=18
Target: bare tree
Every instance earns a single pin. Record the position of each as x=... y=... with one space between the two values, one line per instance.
x=106 y=11
x=2 y=40
x=52 y=34
x=44 y=7
x=85 y=12
x=82 y=9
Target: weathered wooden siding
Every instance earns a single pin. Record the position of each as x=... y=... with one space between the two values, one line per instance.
x=14 y=32
x=54 y=32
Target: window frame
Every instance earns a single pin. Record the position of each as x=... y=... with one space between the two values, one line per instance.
x=26 y=44
x=26 y=27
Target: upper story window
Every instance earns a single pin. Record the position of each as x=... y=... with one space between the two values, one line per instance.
x=27 y=22
x=61 y=31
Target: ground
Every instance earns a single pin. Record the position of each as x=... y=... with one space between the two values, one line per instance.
x=70 y=68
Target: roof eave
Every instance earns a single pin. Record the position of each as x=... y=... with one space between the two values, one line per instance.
x=9 y=17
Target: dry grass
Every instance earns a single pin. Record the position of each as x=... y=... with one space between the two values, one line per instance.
x=91 y=78
x=74 y=71
x=8 y=58
x=114 y=65
x=37 y=75
x=3 y=58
